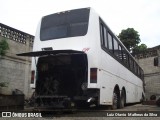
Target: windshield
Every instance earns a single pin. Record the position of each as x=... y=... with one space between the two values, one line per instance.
x=65 y=24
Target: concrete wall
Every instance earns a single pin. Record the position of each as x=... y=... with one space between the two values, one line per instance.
x=14 y=69
x=151 y=73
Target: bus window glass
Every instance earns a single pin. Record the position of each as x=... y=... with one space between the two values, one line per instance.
x=102 y=33
x=57 y=32
x=77 y=29
x=63 y=25
x=105 y=38
x=131 y=63
x=138 y=71
x=115 y=47
x=110 y=42
x=120 y=52
x=125 y=57
x=142 y=74
x=135 y=67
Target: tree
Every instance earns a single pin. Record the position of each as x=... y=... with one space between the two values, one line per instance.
x=130 y=38
x=3 y=47
x=139 y=48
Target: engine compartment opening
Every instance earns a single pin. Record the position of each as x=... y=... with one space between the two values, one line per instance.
x=61 y=75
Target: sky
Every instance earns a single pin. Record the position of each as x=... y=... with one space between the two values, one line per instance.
x=142 y=15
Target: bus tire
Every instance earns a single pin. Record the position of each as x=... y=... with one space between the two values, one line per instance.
x=115 y=101
x=122 y=100
x=142 y=99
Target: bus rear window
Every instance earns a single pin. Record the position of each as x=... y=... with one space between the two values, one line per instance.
x=66 y=24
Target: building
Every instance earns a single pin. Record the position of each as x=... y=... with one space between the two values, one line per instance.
x=14 y=69
x=151 y=72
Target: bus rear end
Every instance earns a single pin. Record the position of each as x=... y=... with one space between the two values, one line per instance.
x=61 y=73
x=62 y=80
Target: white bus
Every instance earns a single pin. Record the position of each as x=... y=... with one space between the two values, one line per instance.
x=79 y=61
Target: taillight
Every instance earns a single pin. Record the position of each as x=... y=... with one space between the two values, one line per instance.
x=32 y=76
x=93 y=75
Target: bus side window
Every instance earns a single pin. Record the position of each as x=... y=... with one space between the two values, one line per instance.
x=123 y=55
x=142 y=74
x=105 y=38
x=110 y=42
x=131 y=63
x=125 y=58
x=135 y=68
x=115 y=47
x=120 y=52
x=139 y=74
x=102 y=33
x=128 y=60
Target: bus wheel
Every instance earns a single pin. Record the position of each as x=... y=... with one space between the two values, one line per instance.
x=142 y=99
x=122 y=100
x=115 y=101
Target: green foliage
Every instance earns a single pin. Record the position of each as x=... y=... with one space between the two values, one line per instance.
x=3 y=47
x=130 y=38
x=140 y=48
x=3 y=84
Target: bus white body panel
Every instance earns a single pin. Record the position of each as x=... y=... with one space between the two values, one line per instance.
x=116 y=74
